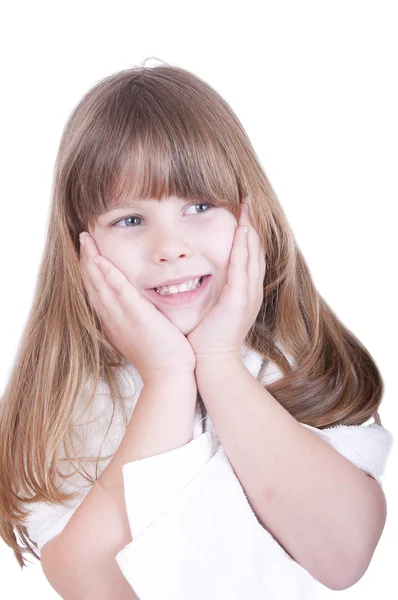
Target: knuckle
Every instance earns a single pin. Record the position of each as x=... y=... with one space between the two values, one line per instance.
x=120 y=288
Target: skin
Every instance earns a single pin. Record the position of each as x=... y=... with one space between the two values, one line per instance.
x=167 y=240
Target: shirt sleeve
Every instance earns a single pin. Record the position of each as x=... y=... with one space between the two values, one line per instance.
x=207 y=542
x=366 y=446
x=151 y=484
x=194 y=532
x=157 y=481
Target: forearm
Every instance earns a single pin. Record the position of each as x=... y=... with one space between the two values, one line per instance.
x=304 y=492
x=162 y=420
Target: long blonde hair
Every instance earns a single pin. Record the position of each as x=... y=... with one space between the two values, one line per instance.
x=152 y=132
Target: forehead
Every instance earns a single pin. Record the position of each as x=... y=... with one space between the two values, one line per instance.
x=139 y=202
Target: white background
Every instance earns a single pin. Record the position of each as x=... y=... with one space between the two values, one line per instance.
x=314 y=83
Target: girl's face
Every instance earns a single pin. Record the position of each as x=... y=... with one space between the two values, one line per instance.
x=152 y=242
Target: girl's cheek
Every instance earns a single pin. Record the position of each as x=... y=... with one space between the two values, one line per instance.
x=222 y=246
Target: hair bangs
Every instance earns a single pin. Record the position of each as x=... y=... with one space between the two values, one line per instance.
x=156 y=166
x=147 y=152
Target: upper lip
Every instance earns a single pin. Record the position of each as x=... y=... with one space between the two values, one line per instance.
x=177 y=281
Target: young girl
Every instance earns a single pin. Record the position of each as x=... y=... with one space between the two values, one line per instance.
x=227 y=419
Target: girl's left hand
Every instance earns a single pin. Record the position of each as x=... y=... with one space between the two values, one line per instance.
x=223 y=331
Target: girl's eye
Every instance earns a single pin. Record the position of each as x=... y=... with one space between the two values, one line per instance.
x=136 y=217
x=201 y=204
x=125 y=219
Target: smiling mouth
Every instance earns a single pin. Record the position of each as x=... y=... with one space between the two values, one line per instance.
x=181 y=297
x=157 y=289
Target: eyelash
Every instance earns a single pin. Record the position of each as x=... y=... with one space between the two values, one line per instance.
x=136 y=216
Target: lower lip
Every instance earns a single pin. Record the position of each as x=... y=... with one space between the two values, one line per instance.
x=183 y=297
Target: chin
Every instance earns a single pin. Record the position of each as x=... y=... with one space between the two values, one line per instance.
x=186 y=328
x=185 y=323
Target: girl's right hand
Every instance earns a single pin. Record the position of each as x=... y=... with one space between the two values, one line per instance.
x=132 y=324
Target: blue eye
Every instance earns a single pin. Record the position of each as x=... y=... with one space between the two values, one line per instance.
x=137 y=217
x=125 y=219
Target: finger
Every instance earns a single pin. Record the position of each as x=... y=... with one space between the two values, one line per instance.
x=253 y=264
x=126 y=294
x=247 y=219
x=237 y=274
x=104 y=296
x=256 y=261
x=83 y=268
x=253 y=260
x=91 y=292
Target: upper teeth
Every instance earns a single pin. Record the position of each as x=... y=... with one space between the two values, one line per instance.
x=181 y=287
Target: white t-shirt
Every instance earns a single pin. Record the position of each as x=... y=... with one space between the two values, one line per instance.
x=194 y=532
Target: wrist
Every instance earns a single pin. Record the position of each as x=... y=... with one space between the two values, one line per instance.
x=162 y=376
x=218 y=361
